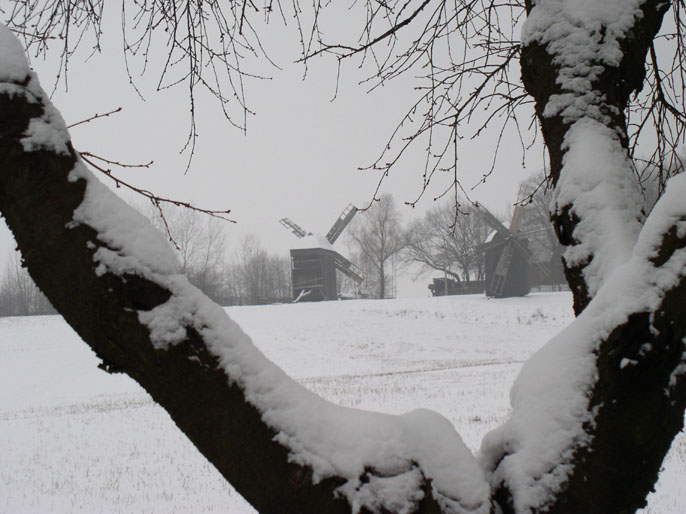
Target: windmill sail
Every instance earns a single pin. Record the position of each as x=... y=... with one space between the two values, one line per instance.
x=294 y=227
x=348 y=268
x=492 y=221
x=517 y=218
x=337 y=229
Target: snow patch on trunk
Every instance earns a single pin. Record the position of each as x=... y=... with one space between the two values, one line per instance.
x=584 y=36
x=598 y=181
x=400 y=494
x=132 y=243
x=48 y=132
x=14 y=67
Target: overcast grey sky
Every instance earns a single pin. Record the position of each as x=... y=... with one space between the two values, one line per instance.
x=300 y=155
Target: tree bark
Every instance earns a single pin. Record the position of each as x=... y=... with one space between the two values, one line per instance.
x=640 y=409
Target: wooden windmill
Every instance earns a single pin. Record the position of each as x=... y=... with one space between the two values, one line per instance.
x=315 y=262
x=507 y=256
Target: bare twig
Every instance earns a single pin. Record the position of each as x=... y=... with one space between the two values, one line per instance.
x=156 y=200
x=95 y=117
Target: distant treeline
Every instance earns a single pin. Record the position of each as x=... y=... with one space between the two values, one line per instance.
x=247 y=275
x=19 y=296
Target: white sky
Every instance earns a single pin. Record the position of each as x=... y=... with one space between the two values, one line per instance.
x=299 y=158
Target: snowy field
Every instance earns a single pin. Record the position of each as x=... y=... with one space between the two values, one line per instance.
x=75 y=439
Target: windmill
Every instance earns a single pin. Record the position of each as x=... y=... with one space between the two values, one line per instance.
x=315 y=262
x=507 y=256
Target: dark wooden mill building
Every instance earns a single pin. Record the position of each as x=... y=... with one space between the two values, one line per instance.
x=509 y=266
x=315 y=263
x=508 y=261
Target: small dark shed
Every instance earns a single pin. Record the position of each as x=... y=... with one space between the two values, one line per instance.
x=447 y=286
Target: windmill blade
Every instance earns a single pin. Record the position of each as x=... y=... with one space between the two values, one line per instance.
x=347 y=268
x=517 y=218
x=492 y=221
x=502 y=270
x=294 y=227
x=337 y=229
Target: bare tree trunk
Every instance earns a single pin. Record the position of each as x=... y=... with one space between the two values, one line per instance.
x=382 y=281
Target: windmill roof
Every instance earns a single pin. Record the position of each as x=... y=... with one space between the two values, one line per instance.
x=313 y=241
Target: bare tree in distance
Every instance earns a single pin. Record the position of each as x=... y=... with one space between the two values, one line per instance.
x=186 y=229
x=247 y=275
x=593 y=413
x=199 y=242
x=258 y=276
x=251 y=259
x=19 y=295
x=212 y=257
x=377 y=236
x=279 y=278
x=441 y=242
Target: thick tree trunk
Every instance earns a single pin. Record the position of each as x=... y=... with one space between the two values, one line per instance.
x=38 y=202
x=382 y=281
x=541 y=71
x=637 y=395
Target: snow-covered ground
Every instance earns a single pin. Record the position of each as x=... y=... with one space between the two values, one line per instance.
x=75 y=439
